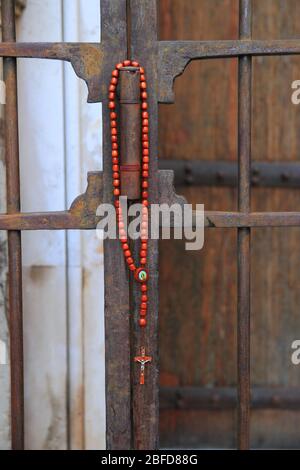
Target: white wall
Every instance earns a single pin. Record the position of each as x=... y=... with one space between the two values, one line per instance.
x=60 y=140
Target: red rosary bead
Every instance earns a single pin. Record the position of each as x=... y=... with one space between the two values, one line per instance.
x=143 y=322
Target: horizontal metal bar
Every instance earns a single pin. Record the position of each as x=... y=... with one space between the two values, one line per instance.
x=225 y=398
x=81 y=215
x=174 y=56
x=64 y=220
x=86 y=59
x=254 y=219
x=225 y=173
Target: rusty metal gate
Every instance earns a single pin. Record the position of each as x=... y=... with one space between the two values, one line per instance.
x=129 y=29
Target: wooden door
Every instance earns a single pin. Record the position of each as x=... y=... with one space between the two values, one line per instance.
x=198 y=289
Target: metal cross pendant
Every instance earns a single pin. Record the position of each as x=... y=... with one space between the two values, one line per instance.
x=143 y=360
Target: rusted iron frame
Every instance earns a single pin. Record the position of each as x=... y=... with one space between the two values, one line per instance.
x=174 y=56
x=81 y=215
x=64 y=220
x=243 y=241
x=252 y=219
x=14 y=236
x=168 y=60
x=117 y=313
x=145 y=404
x=225 y=398
x=87 y=59
x=225 y=173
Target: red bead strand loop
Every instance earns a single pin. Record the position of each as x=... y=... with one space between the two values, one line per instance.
x=140 y=273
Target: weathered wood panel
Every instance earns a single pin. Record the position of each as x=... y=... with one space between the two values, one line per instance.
x=198 y=290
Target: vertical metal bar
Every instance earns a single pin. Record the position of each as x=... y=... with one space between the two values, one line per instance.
x=145 y=398
x=117 y=320
x=244 y=151
x=14 y=237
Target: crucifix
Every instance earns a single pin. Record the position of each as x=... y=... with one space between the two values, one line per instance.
x=143 y=360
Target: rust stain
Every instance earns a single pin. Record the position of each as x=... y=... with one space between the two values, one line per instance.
x=39 y=274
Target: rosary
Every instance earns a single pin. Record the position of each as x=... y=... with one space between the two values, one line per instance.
x=140 y=273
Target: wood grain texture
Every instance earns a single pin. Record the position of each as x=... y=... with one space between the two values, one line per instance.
x=145 y=399
x=198 y=289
